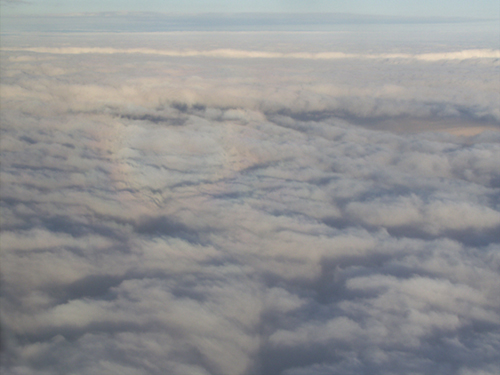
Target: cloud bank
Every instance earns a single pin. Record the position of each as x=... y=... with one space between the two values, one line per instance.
x=198 y=215
x=242 y=54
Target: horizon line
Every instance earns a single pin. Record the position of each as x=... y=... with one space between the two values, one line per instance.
x=346 y=15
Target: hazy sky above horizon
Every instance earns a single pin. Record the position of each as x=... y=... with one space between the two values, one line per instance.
x=419 y=8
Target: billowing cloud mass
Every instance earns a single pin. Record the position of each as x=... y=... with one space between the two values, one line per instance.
x=281 y=213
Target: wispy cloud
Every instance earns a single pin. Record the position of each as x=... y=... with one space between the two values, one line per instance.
x=245 y=54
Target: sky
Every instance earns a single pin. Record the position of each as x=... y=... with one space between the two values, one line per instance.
x=267 y=195
x=420 y=8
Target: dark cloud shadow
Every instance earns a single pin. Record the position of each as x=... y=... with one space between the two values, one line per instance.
x=165 y=226
x=155 y=119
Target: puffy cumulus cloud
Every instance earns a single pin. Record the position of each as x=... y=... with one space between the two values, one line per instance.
x=204 y=215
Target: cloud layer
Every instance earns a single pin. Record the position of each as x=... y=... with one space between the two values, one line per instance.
x=198 y=215
x=242 y=54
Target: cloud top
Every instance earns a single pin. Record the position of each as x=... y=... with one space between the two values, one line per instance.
x=245 y=54
x=211 y=215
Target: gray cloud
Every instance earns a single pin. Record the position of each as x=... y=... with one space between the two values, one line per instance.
x=198 y=215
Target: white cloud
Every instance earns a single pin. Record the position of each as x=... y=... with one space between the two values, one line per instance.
x=204 y=215
x=246 y=54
